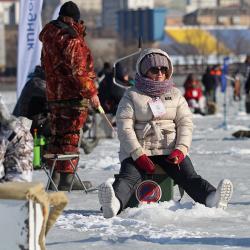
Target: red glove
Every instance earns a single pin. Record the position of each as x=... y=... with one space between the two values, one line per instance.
x=144 y=163
x=176 y=157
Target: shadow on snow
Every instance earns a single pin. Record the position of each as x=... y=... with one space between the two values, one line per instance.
x=214 y=241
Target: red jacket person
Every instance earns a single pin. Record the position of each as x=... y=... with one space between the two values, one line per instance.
x=70 y=76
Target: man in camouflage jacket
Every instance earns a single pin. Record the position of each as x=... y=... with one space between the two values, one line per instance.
x=70 y=75
x=16 y=147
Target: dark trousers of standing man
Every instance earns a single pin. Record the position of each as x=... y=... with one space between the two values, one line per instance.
x=185 y=176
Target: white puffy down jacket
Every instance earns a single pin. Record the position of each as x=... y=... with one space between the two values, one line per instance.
x=139 y=132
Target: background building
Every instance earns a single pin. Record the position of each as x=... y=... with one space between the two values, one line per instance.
x=186 y=28
x=90 y=11
x=110 y=9
x=9 y=10
x=197 y=4
x=87 y=5
x=2 y=47
x=219 y=16
x=179 y=5
x=9 y=19
x=145 y=23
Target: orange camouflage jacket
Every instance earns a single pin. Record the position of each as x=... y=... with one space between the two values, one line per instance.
x=67 y=61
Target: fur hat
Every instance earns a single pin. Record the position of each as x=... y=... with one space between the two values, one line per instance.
x=70 y=9
x=152 y=57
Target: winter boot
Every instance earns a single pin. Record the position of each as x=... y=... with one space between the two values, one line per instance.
x=56 y=179
x=66 y=179
x=110 y=204
x=221 y=196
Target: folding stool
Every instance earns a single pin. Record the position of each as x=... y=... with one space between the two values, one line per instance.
x=61 y=157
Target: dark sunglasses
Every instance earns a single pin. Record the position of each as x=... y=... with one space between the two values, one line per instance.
x=156 y=70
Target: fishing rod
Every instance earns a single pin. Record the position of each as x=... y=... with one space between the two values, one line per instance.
x=124 y=58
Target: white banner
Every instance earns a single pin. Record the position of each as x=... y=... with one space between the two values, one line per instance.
x=56 y=12
x=29 y=46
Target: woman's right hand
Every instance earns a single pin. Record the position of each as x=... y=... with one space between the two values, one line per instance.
x=145 y=164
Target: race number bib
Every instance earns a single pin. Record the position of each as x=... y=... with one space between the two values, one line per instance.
x=157 y=107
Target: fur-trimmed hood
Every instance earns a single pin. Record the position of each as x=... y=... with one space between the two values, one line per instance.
x=148 y=51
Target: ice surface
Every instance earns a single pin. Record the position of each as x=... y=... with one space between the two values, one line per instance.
x=215 y=154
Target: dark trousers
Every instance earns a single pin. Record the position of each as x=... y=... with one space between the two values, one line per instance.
x=185 y=176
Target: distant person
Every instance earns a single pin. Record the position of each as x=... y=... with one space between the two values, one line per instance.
x=236 y=84
x=70 y=86
x=154 y=126
x=33 y=98
x=16 y=147
x=216 y=73
x=106 y=69
x=107 y=100
x=110 y=93
x=246 y=74
x=194 y=95
x=32 y=102
x=123 y=76
x=245 y=70
x=209 y=84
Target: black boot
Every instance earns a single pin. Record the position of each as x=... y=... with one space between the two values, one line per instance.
x=241 y=133
x=56 y=178
x=65 y=182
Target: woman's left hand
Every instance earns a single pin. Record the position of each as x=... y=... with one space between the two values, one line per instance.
x=176 y=157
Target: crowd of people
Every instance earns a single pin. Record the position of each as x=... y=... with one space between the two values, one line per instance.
x=153 y=117
x=201 y=94
x=199 y=91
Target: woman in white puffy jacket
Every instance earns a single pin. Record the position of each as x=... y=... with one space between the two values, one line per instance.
x=155 y=126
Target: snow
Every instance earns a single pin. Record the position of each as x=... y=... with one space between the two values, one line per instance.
x=215 y=153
